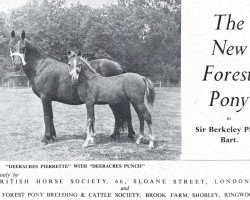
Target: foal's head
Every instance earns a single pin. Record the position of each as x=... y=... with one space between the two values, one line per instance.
x=74 y=65
x=77 y=63
x=17 y=50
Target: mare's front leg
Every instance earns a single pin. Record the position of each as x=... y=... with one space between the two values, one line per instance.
x=50 y=132
x=90 y=123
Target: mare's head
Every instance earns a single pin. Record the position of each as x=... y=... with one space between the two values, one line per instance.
x=17 y=50
x=74 y=65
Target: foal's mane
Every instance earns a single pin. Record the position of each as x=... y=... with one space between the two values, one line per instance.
x=86 y=63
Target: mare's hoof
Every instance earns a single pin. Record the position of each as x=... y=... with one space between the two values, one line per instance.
x=155 y=144
x=47 y=140
x=115 y=136
x=131 y=134
x=131 y=137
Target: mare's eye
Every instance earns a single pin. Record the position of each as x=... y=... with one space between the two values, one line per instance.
x=69 y=64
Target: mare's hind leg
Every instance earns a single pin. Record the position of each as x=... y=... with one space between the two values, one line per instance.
x=131 y=132
x=122 y=114
x=90 y=124
x=147 y=117
x=116 y=133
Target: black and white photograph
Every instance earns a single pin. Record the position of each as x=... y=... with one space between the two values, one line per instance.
x=124 y=99
x=90 y=80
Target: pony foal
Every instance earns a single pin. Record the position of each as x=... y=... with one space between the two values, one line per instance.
x=114 y=90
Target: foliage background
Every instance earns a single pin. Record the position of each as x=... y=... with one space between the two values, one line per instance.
x=142 y=35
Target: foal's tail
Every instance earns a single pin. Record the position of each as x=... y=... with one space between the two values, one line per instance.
x=150 y=91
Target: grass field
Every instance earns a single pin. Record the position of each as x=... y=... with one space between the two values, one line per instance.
x=22 y=128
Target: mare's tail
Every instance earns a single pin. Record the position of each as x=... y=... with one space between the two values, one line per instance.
x=150 y=91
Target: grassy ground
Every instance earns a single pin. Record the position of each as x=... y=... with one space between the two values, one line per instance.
x=22 y=128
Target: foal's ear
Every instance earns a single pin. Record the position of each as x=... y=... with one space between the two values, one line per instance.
x=23 y=35
x=68 y=52
x=12 y=33
x=79 y=54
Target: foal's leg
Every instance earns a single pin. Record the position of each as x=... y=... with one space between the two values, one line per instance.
x=141 y=119
x=147 y=117
x=50 y=132
x=141 y=134
x=90 y=124
x=151 y=137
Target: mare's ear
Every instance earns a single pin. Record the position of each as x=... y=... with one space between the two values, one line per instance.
x=12 y=33
x=23 y=35
x=79 y=54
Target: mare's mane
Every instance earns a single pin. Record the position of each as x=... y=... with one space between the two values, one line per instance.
x=86 y=63
x=38 y=50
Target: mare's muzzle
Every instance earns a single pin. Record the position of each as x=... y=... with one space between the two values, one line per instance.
x=18 y=60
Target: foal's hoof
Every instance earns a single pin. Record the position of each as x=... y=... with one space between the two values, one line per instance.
x=138 y=142
x=84 y=146
x=47 y=140
x=88 y=143
x=152 y=145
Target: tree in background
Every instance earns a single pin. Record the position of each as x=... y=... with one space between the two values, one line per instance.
x=143 y=35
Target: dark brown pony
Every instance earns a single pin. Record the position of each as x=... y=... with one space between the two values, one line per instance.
x=51 y=81
x=113 y=90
